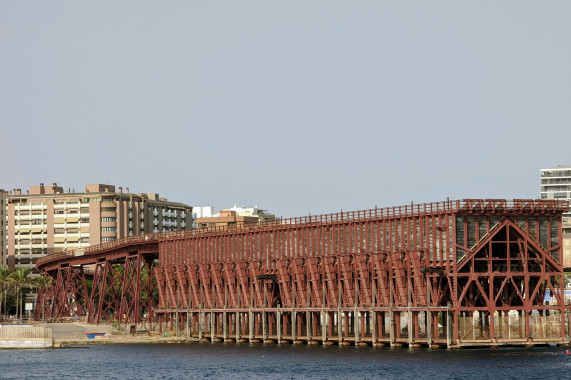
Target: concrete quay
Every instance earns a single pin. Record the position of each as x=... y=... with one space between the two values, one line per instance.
x=25 y=336
x=76 y=333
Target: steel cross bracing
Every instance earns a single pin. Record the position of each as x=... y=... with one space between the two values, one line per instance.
x=455 y=273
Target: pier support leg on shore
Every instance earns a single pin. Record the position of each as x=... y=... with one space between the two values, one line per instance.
x=250 y=325
x=410 y=326
x=212 y=326
x=374 y=327
x=527 y=329
x=429 y=328
x=381 y=329
x=339 y=326
x=356 y=324
x=294 y=325
x=279 y=325
x=324 y=326
x=392 y=330
x=264 y=316
x=449 y=329
x=308 y=323
x=331 y=322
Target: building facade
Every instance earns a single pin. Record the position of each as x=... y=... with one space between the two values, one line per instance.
x=256 y=212
x=48 y=220
x=556 y=184
x=234 y=216
x=2 y=223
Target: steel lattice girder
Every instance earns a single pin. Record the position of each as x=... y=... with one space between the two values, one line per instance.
x=122 y=290
x=66 y=297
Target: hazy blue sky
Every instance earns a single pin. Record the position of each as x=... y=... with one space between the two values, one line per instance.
x=296 y=106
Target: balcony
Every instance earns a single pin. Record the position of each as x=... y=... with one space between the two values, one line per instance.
x=109 y=234
x=108 y=214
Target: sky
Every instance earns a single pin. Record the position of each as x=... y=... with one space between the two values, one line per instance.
x=298 y=107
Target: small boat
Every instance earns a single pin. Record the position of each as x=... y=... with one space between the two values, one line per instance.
x=93 y=335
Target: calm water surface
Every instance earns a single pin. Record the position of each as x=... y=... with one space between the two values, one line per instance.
x=243 y=361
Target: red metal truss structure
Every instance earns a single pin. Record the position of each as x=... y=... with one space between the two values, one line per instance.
x=117 y=284
x=454 y=273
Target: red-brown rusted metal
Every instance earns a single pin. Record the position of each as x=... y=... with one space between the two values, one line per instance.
x=452 y=273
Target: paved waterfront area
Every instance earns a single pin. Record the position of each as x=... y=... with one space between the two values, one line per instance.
x=68 y=331
x=75 y=333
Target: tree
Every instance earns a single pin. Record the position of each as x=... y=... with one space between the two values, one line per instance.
x=5 y=282
x=21 y=280
x=42 y=283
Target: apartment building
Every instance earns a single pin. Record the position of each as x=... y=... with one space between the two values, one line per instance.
x=256 y=212
x=234 y=216
x=2 y=223
x=49 y=220
x=556 y=184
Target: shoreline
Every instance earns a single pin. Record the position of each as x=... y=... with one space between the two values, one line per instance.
x=120 y=339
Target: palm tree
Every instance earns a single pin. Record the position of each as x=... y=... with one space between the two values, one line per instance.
x=42 y=283
x=5 y=280
x=20 y=280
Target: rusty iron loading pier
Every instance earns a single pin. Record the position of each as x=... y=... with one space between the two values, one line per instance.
x=451 y=274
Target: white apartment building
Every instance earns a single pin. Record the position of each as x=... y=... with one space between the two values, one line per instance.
x=256 y=212
x=202 y=212
x=556 y=184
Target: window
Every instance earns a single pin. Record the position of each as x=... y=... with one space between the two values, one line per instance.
x=108 y=229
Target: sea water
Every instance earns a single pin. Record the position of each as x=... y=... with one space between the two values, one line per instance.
x=257 y=361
